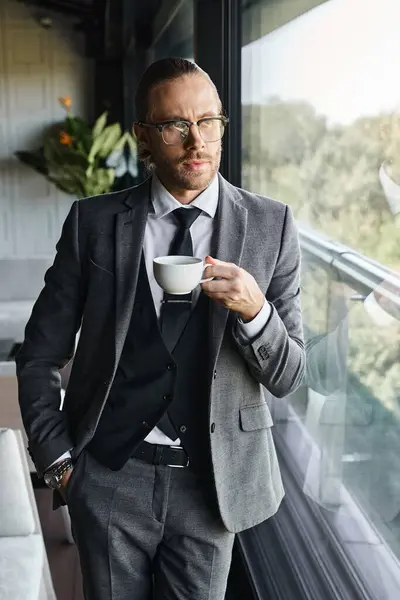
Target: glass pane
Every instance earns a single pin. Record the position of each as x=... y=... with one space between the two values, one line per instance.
x=321 y=116
x=321 y=132
x=173 y=29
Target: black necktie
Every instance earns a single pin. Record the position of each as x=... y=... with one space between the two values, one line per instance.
x=175 y=310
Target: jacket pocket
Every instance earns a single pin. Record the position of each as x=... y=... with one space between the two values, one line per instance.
x=255 y=417
x=95 y=264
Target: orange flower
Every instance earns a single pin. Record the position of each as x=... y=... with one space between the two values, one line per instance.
x=65 y=138
x=66 y=102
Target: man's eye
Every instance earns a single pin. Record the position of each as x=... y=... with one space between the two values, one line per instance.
x=179 y=125
x=174 y=126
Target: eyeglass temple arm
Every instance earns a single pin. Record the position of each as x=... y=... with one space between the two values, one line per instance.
x=150 y=125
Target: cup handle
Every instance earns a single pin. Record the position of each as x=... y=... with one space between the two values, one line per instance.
x=209 y=278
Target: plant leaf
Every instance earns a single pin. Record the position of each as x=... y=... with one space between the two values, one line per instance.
x=120 y=143
x=52 y=151
x=114 y=158
x=101 y=181
x=105 y=142
x=111 y=140
x=35 y=160
x=77 y=127
x=57 y=154
x=133 y=166
x=99 y=125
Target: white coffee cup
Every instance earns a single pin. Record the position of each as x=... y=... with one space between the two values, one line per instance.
x=179 y=274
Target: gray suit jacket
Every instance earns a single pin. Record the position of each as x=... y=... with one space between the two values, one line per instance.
x=91 y=286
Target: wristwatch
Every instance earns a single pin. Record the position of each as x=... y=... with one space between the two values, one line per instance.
x=53 y=476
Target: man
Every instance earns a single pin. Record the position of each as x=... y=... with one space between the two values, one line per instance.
x=169 y=434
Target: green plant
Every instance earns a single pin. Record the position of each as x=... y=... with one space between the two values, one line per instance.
x=80 y=159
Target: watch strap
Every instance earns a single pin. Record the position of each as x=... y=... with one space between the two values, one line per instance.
x=57 y=470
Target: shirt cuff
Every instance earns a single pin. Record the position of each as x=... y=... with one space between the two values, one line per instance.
x=250 y=330
x=62 y=457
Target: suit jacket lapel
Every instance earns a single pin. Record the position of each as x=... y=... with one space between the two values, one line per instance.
x=129 y=235
x=228 y=243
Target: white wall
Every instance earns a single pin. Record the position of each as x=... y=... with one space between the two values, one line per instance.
x=37 y=66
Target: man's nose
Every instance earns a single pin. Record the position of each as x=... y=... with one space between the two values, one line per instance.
x=194 y=139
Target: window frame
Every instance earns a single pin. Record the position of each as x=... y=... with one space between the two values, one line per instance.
x=218 y=50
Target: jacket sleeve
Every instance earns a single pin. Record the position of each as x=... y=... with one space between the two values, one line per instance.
x=276 y=357
x=48 y=346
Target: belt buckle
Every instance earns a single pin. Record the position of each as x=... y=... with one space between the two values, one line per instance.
x=179 y=466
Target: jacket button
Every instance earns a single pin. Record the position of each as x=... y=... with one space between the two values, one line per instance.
x=170 y=366
x=215 y=374
x=182 y=428
x=263 y=352
x=212 y=427
x=167 y=398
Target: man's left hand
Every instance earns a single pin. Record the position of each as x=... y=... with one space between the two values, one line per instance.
x=235 y=288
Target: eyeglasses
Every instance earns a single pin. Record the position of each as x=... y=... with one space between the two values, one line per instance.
x=175 y=133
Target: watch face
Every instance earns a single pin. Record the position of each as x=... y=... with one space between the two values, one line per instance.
x=51 y=480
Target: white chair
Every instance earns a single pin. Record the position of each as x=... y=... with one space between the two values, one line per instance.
x=24 y=570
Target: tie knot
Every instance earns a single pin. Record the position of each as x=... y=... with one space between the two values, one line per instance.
x=186 y=216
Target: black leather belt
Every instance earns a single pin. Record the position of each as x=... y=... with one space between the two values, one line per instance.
x=158 y=454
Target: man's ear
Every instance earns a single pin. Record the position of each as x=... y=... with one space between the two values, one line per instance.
x=141 y=135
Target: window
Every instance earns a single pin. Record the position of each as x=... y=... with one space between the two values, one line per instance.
x=173 y=30
x=321 y=132
x=321 y=116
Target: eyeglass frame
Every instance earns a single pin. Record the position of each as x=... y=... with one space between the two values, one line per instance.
x=160 y=127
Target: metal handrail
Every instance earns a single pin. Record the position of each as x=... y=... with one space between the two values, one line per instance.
x=358 y=271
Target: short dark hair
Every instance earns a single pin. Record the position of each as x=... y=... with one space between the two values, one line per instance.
x=158 y=72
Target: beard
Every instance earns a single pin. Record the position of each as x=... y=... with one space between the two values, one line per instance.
x=175 y=173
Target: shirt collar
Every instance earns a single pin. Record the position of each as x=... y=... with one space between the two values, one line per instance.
x=164 y=203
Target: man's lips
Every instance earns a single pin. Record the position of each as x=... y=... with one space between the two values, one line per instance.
x=195 y=160
x=195 y=163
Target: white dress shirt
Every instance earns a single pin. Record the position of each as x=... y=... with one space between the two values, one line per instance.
x=160 y=231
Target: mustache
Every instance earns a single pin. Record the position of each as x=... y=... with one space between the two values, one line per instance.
x=197 y=156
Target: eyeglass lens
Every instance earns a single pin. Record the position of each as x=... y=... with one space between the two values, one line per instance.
x=176 y=133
